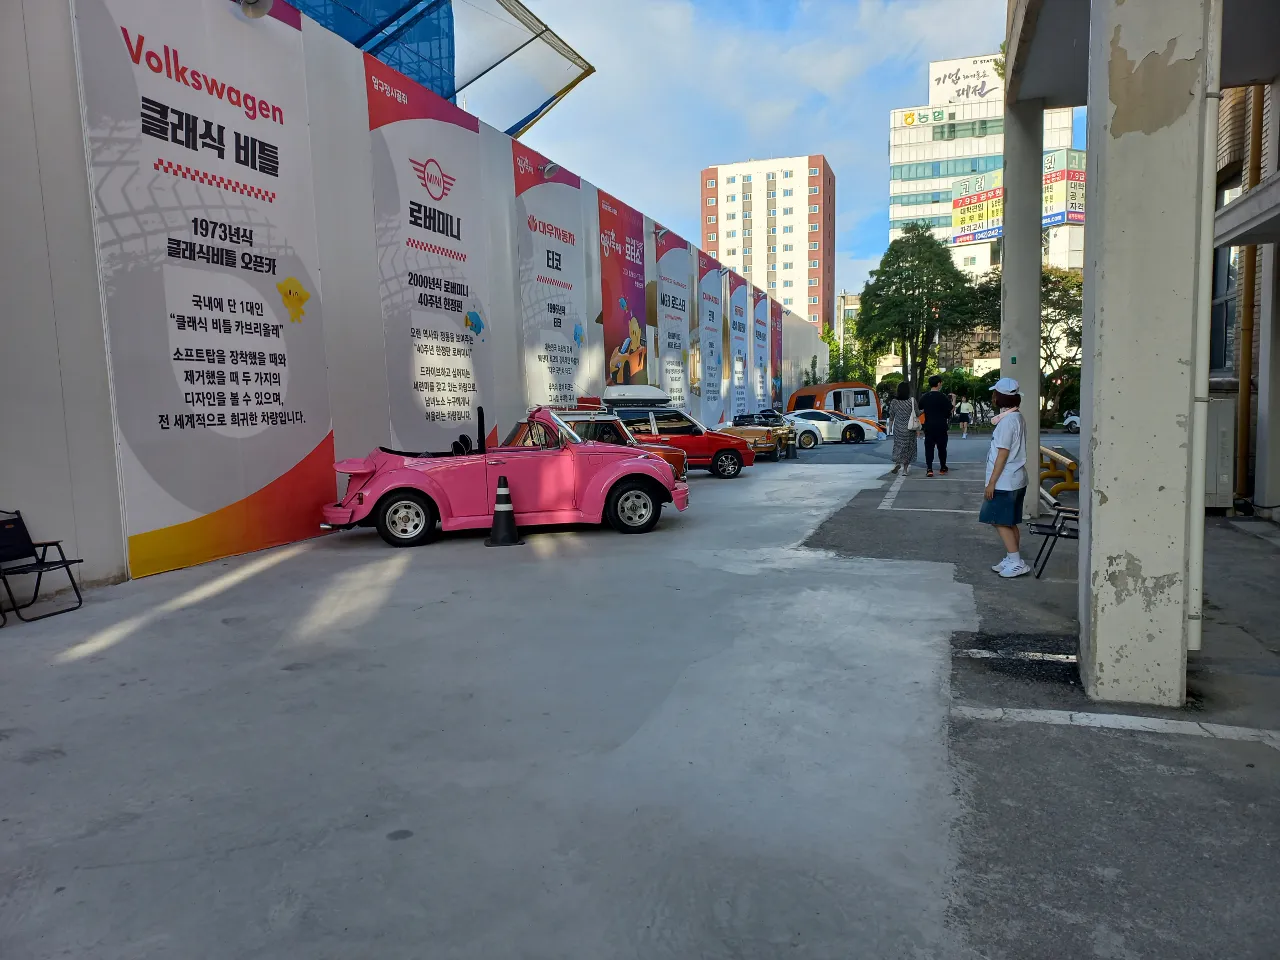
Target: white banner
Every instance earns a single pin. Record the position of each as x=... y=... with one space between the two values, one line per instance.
x=739 y=332
x=432 y=259
x=759 y=350
x=709 y=365
x=551 y=253
x=675 y=274
x=207 y=255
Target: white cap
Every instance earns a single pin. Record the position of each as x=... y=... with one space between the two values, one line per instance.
x=1006 y=385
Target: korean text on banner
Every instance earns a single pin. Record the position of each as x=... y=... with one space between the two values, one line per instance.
x=622 y=278
x=775 y=353
x=759 y=350
x=739 y=334
x=431 y=259
x=709 y=363
x=675 y=275
x=552 y=268
x=206 y=237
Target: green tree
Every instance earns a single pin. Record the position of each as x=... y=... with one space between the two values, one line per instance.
x=916 y=295
x=851 y=362
x=1061 y=331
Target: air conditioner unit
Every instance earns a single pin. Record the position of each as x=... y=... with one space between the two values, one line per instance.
x=1220 y=454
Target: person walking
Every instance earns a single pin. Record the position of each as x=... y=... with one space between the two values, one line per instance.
x=936 y=407
x=904 y=421
x=965 y=415
x=1007 y=476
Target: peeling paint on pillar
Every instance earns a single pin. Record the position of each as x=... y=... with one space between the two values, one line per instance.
x=1124 y=573
x=1150 y=95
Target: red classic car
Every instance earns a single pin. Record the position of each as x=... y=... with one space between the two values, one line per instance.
x=554 y=478
x=651 y=419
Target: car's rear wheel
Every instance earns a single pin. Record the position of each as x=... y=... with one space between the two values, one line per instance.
x=632 y=507
x=1073 y=428
x=726 y=464
x=807 y=440
x=406 y=518
x=777 y=452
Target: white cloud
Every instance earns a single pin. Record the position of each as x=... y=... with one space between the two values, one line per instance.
x=681 y=85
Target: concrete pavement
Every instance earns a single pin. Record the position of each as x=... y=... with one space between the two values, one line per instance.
x=739 y=736
x=707 y=741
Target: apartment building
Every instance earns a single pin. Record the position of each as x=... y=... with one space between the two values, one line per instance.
x=774 y=222
x=959 y=136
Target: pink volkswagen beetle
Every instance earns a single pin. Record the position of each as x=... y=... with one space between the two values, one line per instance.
x=554 y=477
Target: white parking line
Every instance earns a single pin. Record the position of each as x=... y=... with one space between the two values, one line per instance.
x=1114 y=721
x=923 y=510
x=892 y=493
x=1016 y=655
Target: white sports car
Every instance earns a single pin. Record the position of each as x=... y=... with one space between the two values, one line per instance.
x=822 y=426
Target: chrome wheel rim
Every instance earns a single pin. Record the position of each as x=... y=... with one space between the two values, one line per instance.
x=727 y=464
x=406 y=519
x=806 y=441
x=635 y=507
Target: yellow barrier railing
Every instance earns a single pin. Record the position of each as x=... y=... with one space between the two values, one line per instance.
x=1056 y=466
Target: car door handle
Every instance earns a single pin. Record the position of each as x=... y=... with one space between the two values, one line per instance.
x=494 y=463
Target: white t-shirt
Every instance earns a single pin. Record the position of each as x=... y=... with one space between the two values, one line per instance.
x=1010 y=434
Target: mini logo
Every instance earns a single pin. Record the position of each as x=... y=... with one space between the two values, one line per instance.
x=437 y=182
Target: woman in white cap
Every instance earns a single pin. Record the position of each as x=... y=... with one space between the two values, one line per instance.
x=1007 y=476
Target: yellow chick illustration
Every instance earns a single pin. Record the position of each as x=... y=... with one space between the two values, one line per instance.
x=293 y=294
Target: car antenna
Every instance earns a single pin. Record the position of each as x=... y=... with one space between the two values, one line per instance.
x=480 y=430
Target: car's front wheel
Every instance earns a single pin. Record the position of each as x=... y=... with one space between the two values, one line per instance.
x=853 y=434
x=632 y=507
x=1073 y=428
x=807 y=440
x=406 y=518
x=726 y=464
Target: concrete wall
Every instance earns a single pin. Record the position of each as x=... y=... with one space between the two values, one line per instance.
x=801 y=342
x=58 y=454
x=57 y=437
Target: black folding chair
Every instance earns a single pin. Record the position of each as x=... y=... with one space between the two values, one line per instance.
x=1065 y=525
x=18 y=549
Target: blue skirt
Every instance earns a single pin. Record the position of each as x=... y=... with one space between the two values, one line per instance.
x=1004 y=509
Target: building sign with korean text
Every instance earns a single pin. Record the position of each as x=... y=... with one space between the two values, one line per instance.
x=966 y=80
x=775 y=353
x=197 y=130
x=625 y=333
x=977 y=207
x=739 y=329
x=675 y=299
x=552 y=268
x=759 y=350
x=431 y=260
x=1064 y=187
x=710 y=359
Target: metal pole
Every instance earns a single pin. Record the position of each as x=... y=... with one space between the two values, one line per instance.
x=1203 y=324
x=1244 y=405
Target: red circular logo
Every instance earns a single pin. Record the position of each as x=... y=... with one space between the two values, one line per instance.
x=433 y=180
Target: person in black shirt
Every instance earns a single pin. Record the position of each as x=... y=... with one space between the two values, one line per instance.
x=936 y=407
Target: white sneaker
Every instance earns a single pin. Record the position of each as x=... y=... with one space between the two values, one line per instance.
x=997 y=567
x=1015 y=570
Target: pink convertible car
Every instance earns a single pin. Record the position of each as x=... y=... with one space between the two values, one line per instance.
x=554 y=477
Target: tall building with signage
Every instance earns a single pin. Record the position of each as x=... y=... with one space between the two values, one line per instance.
x=946 y=162
x=774 y=222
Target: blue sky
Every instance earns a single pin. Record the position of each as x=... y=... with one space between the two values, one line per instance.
x=684 y=84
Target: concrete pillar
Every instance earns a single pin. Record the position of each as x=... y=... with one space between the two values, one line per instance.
x=1020 y=270
x=1266 y=467
x=1145 y=156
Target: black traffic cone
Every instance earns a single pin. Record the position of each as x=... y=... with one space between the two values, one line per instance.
x=503 y=533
